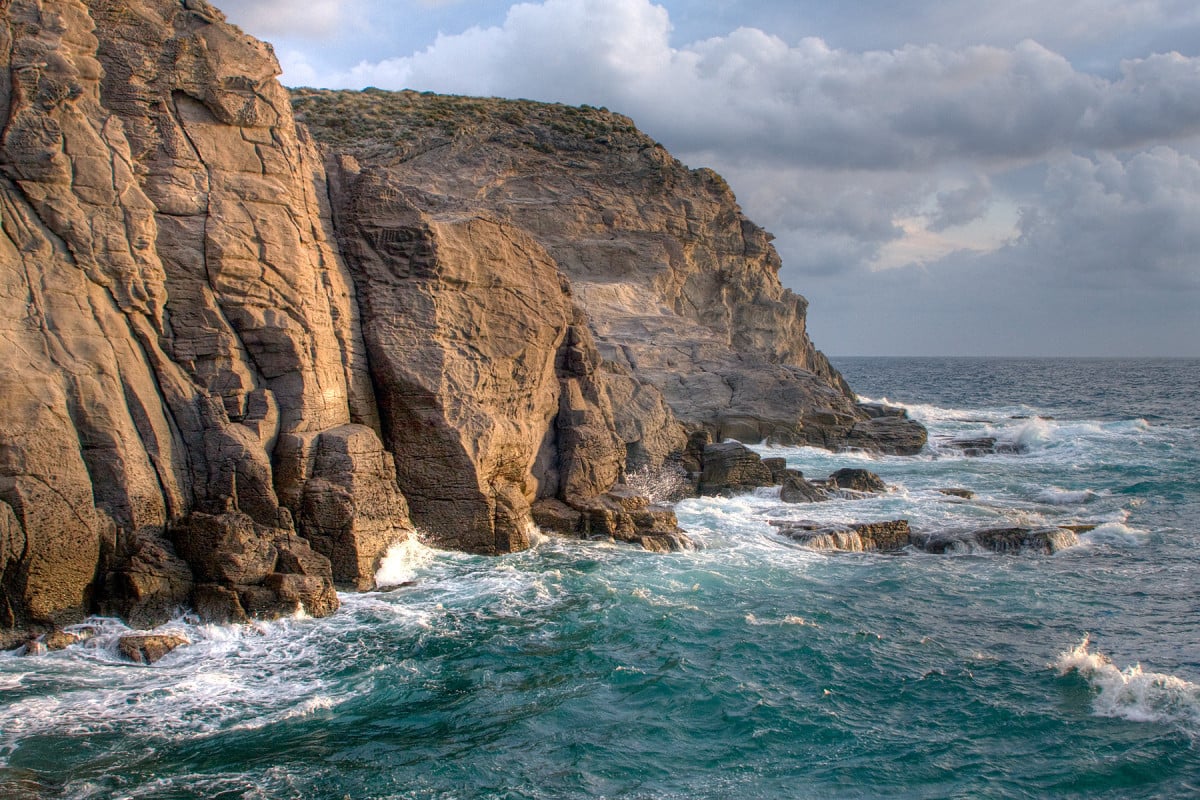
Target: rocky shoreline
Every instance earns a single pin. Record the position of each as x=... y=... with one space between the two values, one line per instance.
x=261 y=336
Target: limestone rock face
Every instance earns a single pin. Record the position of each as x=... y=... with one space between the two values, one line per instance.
x=488 y=381
x=681 y=290
x=238 y=364
x=178 y=307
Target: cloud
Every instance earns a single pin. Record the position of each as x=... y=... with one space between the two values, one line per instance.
x=268 y=18
x=806 y=103
x=900 y=176
x=1108 y=221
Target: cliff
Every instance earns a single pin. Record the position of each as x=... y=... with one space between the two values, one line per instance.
x=242 y=360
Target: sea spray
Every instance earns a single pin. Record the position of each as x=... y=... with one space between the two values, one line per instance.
x=1132 y=693
x=753 y=667
x=402 y=562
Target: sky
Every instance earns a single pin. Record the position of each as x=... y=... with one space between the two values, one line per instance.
x=944 y=177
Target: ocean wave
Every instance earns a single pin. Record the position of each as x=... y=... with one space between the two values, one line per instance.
x=403 y=561
x=1134 y=694
x=1115 y=534
x=242 y=677
x=1053 y=495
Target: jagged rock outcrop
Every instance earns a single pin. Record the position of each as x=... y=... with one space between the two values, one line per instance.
x=680 y=289
x=181 y=308
x=239 y=365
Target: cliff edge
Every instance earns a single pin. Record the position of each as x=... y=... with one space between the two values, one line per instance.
x=241 y=361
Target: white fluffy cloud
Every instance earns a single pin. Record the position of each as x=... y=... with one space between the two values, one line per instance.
x=268 y=18
x=950 y=159
x=1105 y=221
x=754 y=94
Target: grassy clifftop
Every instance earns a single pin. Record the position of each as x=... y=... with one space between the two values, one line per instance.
x=373 y=120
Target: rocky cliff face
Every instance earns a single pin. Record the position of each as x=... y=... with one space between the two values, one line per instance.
x=681 y=290
x=238 y=364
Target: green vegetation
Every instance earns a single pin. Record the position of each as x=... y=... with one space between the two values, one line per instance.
x=409 y=122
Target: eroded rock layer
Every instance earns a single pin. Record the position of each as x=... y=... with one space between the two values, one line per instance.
x=239 y=364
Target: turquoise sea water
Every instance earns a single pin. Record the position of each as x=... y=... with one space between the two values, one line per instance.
x=749 y=668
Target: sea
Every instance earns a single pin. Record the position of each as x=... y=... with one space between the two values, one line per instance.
x=751 y=667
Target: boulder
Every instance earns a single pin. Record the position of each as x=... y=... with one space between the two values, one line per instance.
x=888 y=434
x=779 y=469
x=858 y=480
x=796 y=489
x=731 y=468
x=623 y=516
x=147 y=583
x=147 y=648
x=962 y=494
x=245 y=569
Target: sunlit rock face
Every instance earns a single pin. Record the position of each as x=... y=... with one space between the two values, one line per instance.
x=240 y=361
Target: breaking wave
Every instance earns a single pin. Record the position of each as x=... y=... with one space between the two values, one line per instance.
x=1134 y=694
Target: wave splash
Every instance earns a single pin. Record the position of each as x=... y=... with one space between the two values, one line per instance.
x=1134 y=694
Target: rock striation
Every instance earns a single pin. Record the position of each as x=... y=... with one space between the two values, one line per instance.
x=244 y=356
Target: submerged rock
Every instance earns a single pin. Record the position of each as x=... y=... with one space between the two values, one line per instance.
x=962 y=494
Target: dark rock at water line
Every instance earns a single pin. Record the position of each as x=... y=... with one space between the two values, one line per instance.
x=1046 y=541
x=895 y=535
x=888 y=536
x=731 y=468
x=888 y=434
x=796 y=489
x=980 y=446
x=858 y=480
x=147 y=648
x=962 y=494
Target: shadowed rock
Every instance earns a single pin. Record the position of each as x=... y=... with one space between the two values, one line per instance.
x=731 y=468
x=858 y=480
x=864 y=537
x=796 y=489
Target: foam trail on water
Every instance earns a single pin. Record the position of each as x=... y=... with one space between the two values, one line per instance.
x=1134 y=694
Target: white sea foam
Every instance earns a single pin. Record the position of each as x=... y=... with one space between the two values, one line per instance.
x=1115 y=534
x=1134 y=694
x=241 y=677
x=403 y=561
x=1055 y=496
